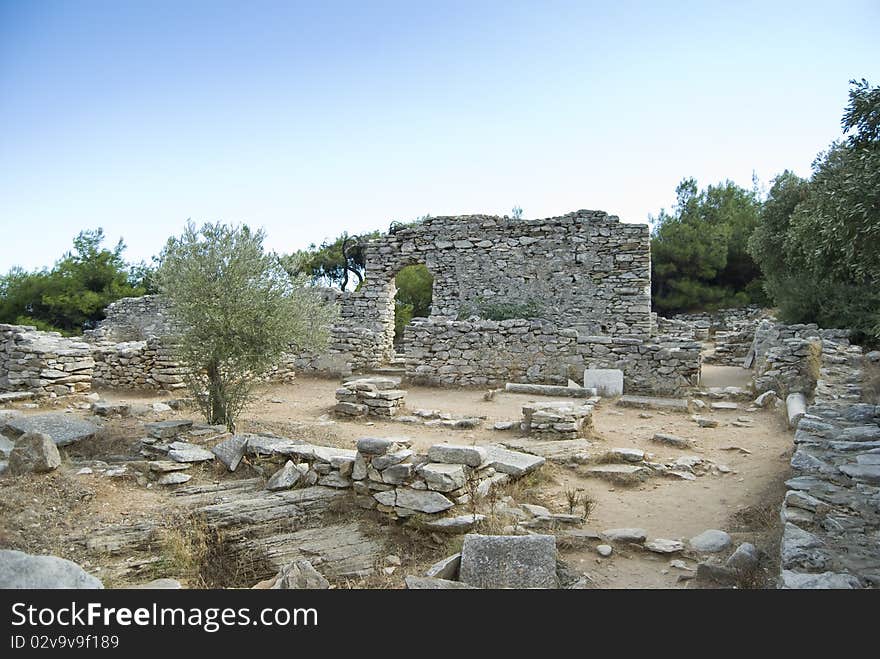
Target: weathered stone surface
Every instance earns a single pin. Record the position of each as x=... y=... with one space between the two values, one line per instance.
x=160 y=584
x=231 y=451
x=167 y=429
x=662 y=546
x=374 y=445
x=671 y=440
x=724 y=406
x=473 y=456
x=796 y=407
x=608 y=382
x=33 y=452
x=509 y=561
x=64 y=429
x=710 y=541
x=618 y=472
x=632 y=535
x=26 y=571
x=802 y=549
x=390 y=459
x=745 y=558
x=334 y=479
x=174 y=478
x=604 y=550
x=549 y=390
x=650 y=402
x=824 y=581
x=863 y=473
x=456 y=525
x=423 y=501
x=285 y=478
x=443 y=477
x=512 y=462
x=300 y=575
x=186 y=452
x=431 y=583
x=166 y=466
x=446 y=569
x=558 y=450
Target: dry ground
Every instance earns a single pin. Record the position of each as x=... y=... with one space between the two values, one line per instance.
x=37 y=513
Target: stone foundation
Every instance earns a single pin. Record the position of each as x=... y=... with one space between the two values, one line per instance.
x=43 y=363
x=370 y=397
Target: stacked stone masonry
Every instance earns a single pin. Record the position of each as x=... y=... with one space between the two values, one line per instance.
x=370 y=397
x=491 y=353
x=831 y=512
x=43 y=363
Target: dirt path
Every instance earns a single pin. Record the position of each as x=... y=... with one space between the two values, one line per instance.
x=741 y=501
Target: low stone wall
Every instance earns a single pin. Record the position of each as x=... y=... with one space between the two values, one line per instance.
x=370 y=397
x=44 y=363
x=725 y=320
x=731 y=347
x=491 y=353
x=131 y=319
x=830 y=512
x=141 y=365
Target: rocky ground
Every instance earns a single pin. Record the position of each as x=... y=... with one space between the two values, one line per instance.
x=104 y=506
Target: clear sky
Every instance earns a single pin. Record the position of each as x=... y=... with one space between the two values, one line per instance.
x=310 y=118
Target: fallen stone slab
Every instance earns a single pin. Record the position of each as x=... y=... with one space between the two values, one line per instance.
x=423 y=501
x=19 y=570
x=710 y=541
x=167 y=429
x=159 y=584
x=705 y=422
x=618 y=473
x=513 y=463
x=186 y=452
x=651 y=402
x=231 y=451
x=443 y=477
x=33 y=452
x=446 y=569
x=672 y=440
x=489 y=561
x=576 y=538
x=268 y=445
x=166 y=466
x=432 y=583
x=823 y=581
x=285 y=478
x=630 y=535
x=560 y=450
x=607 y=382
x=62 y=428
x=724 y=405
x=472 y=456
x=174 y=478
x=662 y=546
x=374 y=445
x=111 y=409
x=549 y=390
x=14 y=396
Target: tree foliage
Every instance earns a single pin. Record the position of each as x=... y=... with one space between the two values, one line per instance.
x=699 y=251
x=335 y=263
x=73 y=294
x=415 y=285
x=819 y=241
x=238 y=311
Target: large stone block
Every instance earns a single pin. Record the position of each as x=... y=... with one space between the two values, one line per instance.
x=607 y=382
x=491 y=561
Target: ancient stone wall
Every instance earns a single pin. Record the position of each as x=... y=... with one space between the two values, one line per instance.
x=141 y=365
x=43 y=363
x=131 y=319
x=491 y=353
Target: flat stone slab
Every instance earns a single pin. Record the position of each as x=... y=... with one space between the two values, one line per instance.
x=443 y=477
x=618 y=472
x=445 y=569
x=267 y=445
x=12 y=396
x=823 y=581
x=186 y=452
x=652 y=402
x=492 y=561
x=514 y=463
x=174 y=478
x=863 y=473
x=423 y=501
x=64 y=429
x=671 y=440
x=549 y=390
x=607 y=382
x=632 y=535
x=561 y=450
x=662 y=546
x=723 y=405
x=472 y=456
x=167 y=429
x=454 y=525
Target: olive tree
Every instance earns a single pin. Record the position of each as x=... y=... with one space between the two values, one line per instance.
x=236 y=310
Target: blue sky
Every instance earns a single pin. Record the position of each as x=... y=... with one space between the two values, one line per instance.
x=308 y=119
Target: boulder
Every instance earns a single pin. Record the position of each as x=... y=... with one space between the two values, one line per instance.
x=710 y=541
x=423 y=501
x=493 y=561
x=285 y=478
x=33 y=452
x=27 y=571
